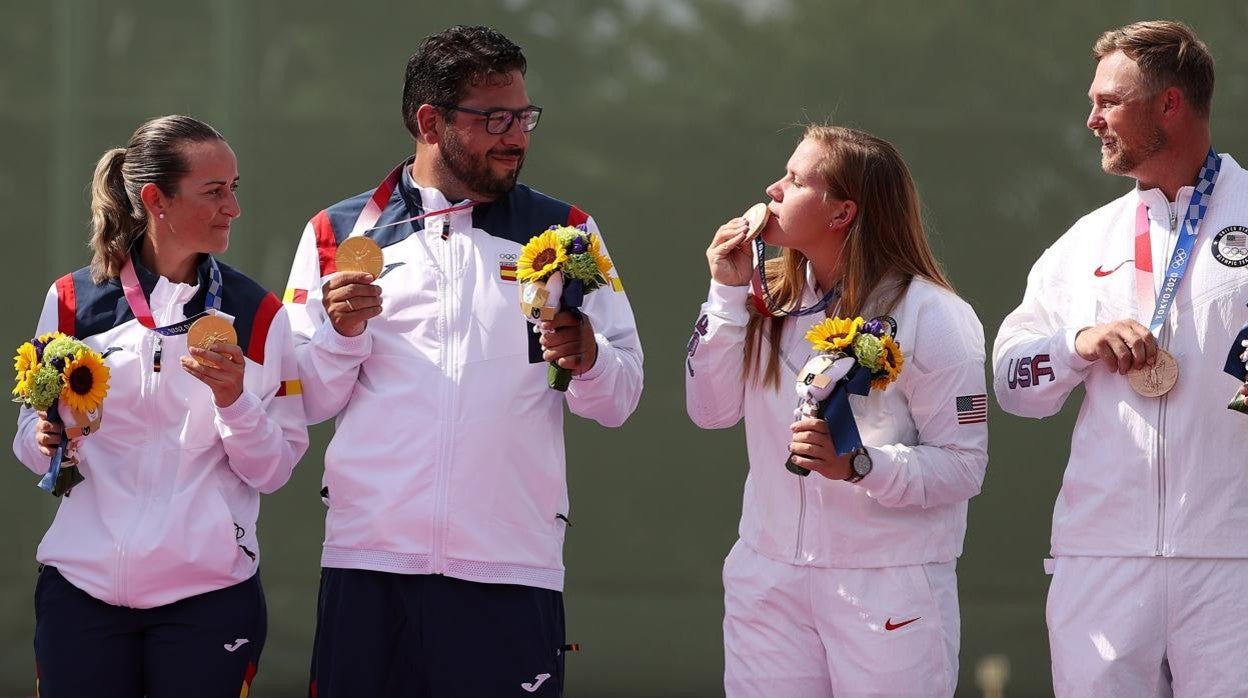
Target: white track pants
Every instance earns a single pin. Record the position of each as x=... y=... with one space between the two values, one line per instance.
x=1135 y=627
x=818 y=632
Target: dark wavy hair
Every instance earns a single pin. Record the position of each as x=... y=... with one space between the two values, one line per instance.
x=450 y=62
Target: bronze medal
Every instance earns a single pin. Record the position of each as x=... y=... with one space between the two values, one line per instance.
x=756 y=217
x=359 y=254
x=1158 y=379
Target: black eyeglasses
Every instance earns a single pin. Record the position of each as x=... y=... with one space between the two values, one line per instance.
x=499 y=121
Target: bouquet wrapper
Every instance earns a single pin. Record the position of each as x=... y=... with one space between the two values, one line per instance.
x=1235 y=366
x=836 y=411
x=63 y=473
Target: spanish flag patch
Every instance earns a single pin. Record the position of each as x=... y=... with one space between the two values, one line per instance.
x=507 y=271
x=295 y=295
x=290 y=387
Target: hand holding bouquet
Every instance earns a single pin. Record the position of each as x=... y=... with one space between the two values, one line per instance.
x=555 y=270
x=62 y=377
x=851 y=357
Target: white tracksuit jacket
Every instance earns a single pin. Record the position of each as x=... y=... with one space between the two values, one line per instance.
x=1147 y=476
x=448 y=454
x=911 y=508
x=172 y=492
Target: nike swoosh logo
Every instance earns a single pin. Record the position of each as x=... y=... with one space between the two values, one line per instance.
x=890 y=625
x=532 y=687
x=1101 y=272
x=237 y=643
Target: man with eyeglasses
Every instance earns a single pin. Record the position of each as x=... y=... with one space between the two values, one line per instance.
x=442 y=569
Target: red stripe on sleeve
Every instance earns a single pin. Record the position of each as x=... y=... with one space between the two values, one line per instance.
x=576 y=216
x=66 y=302
x=260 y=327
x=326 y=244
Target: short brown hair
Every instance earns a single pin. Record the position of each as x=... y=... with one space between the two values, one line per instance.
x=1168 y=53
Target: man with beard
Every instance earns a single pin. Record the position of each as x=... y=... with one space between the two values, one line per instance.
x=1139 y=303
x=442 y=566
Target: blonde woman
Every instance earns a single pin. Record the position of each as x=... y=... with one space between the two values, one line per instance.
x=842 y=583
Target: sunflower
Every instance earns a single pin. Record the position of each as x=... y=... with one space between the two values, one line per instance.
x=604 y=262
x=86 y=381
x=891 y=362
x=541 y=257
x=25 y=363
x=833 y=334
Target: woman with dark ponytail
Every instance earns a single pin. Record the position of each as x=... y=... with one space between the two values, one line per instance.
x=149 y=581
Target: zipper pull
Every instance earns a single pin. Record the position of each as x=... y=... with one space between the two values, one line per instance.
x=156 y=356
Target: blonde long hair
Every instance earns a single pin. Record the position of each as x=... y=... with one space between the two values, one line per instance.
x=885 y=246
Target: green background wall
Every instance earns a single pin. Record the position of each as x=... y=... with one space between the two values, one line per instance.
x=663 y=118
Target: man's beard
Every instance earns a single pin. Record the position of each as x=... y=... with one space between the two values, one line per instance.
x=475 y=174
x=1126 y=158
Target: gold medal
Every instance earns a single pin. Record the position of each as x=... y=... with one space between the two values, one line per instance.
x=359 y=254
x=756 y=217
x=209 y=330
x=1158 y=379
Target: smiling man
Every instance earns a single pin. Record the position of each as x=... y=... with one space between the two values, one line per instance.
x=442 y=569
x=1139 y=302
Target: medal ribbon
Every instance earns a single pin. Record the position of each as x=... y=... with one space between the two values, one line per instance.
x=1177 y=269
x=143 y=312
x=381 y=196
x=762 y=293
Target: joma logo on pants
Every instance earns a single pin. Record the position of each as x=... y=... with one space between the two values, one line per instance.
x=1027 y=371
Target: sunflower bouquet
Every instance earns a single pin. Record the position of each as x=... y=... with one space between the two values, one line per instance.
x=555 y=270
x=852 y=356
x=64 y=378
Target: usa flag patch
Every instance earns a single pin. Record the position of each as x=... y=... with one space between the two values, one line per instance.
x=972 y=409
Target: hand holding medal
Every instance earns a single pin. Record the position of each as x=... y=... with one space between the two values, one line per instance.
x=350 y=297
x=1154 y=371
x=729 y=254
x=215 y=358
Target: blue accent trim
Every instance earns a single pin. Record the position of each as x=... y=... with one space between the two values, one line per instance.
x=101 y=307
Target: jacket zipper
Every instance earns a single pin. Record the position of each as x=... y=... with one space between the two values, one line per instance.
x=147 y=396
x=1163 y=336
x=442 y=480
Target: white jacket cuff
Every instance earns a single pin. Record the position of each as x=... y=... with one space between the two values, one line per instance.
x=242 y=411
x=728 y=302
x=360 y=345
x=1069 y=356
x=600 y=363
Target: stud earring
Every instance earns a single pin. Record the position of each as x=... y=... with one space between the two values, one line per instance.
x=162 y=216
